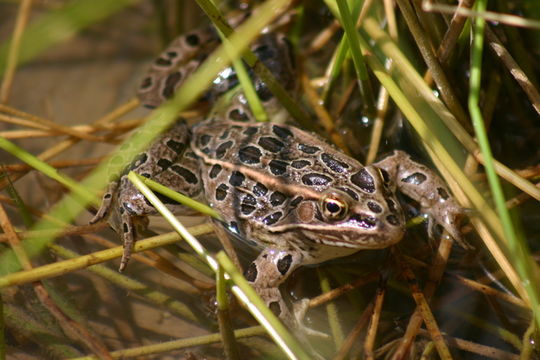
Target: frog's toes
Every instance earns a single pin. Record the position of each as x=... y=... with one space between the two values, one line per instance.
x=106 y=202
x=128 y=237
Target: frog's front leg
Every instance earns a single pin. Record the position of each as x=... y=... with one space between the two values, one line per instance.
x=168 y=161
x=427 y=188
x=267 y=272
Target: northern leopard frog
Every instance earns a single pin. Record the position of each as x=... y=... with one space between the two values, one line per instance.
x=282 y=189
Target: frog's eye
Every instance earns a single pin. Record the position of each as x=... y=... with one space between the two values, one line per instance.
x=334 y=207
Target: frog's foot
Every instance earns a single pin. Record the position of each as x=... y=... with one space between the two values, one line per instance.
x=300 y=309
x=128 y=230
x=424 y=186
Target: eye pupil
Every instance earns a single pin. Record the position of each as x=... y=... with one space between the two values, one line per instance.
x=333 y=207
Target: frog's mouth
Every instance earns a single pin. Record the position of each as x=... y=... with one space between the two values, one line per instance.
x=345 y=235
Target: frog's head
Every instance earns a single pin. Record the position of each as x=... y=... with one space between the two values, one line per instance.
x=362 y=214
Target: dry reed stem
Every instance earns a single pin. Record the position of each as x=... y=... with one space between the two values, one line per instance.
x=14 y=47
x=369 y=341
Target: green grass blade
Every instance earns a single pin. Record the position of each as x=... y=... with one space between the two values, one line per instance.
x=358 y=59
x=245 y=293
x=48 y=170
x=178 y=197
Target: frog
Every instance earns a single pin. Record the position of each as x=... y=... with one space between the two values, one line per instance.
x=286 y=191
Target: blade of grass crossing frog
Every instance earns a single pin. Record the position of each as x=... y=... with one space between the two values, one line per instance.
x=249 y=296
x=176 y=196
x=245 y=293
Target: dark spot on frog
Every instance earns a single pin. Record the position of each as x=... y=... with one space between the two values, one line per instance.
x=392 y=219
x=363 y=180
x=185 y=173
x=296 y=201
x=366 y=222
x=272 y=218
x=314 y=179
x=214 y=171
x=415 y=179
x=238 y=115
x=251 y=273
x=248 y=204
x=163 y=62
x=373 y=206
x=224 y=135
x=146 y=175
x=443 y=193
x=263 y=92
x=126 y=228
x=349 y=192
x=204 y=139
x=170 y=84
x=146 y=83
x=250 y=155
x=176 y=146
x=308 y=149
x=122 y=210
x=282 y=132
x=385 y=176
x=259 y=189
x=250 y=131
x=275 y=307
x=278 y=167
x=236 y=178
x=191 y=155
x=138 y=161
x=299 y=164
x=206 y=150
x=164 y=164
x=284 y=264
x=222 y=149
x=192 y=40
x=391 y=205
x=171 y=54
x=334 y=164
x=221 y=192
x=107 y=196
x=271 y=144
x=277 y=198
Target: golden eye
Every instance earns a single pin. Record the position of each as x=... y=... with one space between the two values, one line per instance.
x=334 y=207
